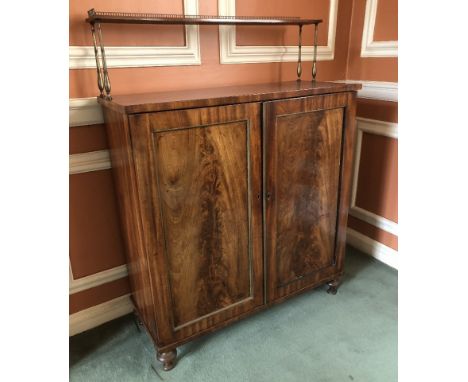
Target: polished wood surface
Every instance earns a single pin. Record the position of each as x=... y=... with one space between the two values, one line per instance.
x=302 y=159
x=305 y=155
x=138 y=264
x=222 y=220
x=184 y=99
x=346 y=173
x=203 y=188
x=203 y=202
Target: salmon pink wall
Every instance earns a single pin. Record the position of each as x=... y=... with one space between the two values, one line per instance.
x=377 y=188
x=254 y=35
x=211 y=73
x=386 y=23
x=372 y=68
x=126 y=35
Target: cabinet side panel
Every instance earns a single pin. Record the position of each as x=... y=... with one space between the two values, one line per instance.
x=124 y=180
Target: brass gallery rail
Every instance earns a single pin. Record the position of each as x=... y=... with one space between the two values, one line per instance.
x=95 y=19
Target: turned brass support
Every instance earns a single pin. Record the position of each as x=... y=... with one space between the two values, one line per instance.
x=107 y=85
x=314 y=63
x=299 y=57
x=98 y=65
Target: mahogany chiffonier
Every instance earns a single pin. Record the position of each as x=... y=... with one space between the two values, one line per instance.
x=231 y=199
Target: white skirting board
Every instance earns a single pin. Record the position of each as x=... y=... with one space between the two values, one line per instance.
x=372 y=248
x=99 y=314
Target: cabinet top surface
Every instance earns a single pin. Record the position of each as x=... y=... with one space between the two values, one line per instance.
x=182 y=99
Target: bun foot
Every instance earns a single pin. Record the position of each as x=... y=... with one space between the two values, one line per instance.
x=168 y=359
x=333 y=287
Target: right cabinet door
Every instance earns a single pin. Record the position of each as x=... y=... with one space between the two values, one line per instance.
x=306 y=143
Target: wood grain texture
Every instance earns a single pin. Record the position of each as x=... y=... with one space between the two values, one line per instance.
x=308 y=148
x=118 y=136
x=205 y=172
x=171 y=100
x=203 y=187
x=347 y=157
x=302 y=154
x=189 y=184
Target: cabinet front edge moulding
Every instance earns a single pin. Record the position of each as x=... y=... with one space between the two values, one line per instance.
x=369 y=47
x=82 y=57
x=231 y=53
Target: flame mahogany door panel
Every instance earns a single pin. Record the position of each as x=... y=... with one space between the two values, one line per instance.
x=303 y=154
x=198 y=172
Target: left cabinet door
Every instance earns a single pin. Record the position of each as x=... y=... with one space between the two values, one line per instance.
x=199 y=183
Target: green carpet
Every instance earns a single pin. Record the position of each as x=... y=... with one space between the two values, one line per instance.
x=313 y=337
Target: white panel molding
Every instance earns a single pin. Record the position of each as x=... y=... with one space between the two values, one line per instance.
x=85 y=111
x=373 y=248
x=372 y=126
x=99 y=314
x=369 y=47
x=378 y=90
x=96 y=279
x=231 y=53
x=82 y=57
x=91 y=161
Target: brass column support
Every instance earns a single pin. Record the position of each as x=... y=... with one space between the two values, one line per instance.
x=98 y=65
x=299 y=57
x=107 y=85
x=314 y=63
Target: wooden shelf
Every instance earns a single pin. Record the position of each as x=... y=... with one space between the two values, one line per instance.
x=96 y=18
x=157 y=18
